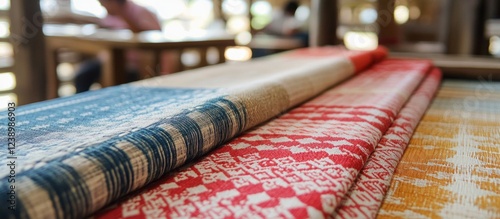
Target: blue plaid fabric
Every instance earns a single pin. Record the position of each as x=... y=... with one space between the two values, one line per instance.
x=98 y=136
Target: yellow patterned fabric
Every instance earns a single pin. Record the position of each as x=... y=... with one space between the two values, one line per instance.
x=451 y=169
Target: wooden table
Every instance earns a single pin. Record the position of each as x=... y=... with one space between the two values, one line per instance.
x=492 y=28
x=262 y=41
x=460 y=67
x=263 y=44
x=86 y=39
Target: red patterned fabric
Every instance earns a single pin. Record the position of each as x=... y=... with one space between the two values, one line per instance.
x=365 y=196
x=299 y=165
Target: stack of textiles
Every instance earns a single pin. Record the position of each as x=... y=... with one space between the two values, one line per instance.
x=80 y=154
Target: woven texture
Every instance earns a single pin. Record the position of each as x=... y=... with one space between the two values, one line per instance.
x=365 y=197
x=299 y=165
x=80 y=153
x=451 y=168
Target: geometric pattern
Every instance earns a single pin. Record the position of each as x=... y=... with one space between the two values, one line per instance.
x=299 y=165
x=365 y=197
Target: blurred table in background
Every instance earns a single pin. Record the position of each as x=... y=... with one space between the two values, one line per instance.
x=492 y=28
x=460 y=67
x=262 y=41
x=263 y=44
x=90 y=40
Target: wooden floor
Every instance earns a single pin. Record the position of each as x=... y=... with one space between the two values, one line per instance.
x=451 y=169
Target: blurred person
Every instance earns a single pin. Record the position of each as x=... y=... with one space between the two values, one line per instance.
x=122 y=14
x=284 y=23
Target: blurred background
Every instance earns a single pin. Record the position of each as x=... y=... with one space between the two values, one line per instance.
x=429 y=28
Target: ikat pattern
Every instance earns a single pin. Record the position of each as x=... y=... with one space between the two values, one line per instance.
x=451 y=168
x=85 y=159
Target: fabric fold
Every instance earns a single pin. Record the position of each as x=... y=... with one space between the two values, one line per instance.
x=80 y=153
x=365 y=197
x=299 y=165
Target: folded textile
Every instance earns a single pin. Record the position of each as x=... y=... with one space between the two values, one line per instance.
x=365 y=197
x=299 y=165
x=451 y=168
x=77 y=154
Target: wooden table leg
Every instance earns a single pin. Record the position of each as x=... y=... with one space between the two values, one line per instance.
x=222 y=57
x=157 y=63
x=113 y=70
x=203 y=56
x=52 y=79
x=180 y=66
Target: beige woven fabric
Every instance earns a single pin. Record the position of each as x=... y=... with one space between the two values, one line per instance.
x=266 y=87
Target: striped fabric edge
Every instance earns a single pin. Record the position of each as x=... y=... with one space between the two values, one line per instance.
x=365 y=197
x=77 y=184
x=205 y=189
